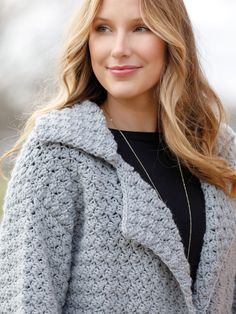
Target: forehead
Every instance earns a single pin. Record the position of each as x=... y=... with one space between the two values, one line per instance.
x=123 y=9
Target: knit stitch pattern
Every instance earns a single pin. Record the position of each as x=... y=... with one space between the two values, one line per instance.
x=83 y=233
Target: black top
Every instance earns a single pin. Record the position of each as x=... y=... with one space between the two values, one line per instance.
x=163 y=169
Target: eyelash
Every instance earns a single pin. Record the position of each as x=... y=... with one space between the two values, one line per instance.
x=98 y=28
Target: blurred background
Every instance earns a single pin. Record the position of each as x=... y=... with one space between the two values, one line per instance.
x=31 y=36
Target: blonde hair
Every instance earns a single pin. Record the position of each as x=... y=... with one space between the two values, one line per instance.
x=190 y=112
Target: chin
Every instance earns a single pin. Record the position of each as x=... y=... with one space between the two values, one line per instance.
x=125 y=94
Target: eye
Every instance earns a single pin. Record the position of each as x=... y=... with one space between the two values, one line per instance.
x=142 y=29
x=101 y=29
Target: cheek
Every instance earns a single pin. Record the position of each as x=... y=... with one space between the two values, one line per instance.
x=96 y=57
x=92 y=50
x=97 y=50
x=154 y=51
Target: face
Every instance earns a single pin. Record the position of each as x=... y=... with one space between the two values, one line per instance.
x=127 y=58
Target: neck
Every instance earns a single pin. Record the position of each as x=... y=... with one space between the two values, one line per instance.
x=131 y=116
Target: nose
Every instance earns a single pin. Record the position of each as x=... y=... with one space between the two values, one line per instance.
x=120 y=46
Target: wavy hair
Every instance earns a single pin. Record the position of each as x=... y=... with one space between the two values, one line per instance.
x=190 y=112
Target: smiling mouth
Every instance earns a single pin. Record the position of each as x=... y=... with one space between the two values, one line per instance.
x=123 y=72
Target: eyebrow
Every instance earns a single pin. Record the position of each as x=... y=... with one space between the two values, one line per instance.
x=139 y=19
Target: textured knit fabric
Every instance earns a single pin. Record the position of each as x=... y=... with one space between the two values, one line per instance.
x=83 y=232
x=163 y=169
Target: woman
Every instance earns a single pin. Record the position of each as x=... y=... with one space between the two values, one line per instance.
x=122 y=199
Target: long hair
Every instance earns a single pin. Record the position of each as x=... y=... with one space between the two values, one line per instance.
x=190 y=112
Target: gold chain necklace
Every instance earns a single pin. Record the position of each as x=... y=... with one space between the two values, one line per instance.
x=182 y=177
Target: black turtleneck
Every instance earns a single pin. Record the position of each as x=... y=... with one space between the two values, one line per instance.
x=163 y=169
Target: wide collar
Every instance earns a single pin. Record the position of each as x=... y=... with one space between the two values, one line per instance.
x=82 y=126
x=145 y=218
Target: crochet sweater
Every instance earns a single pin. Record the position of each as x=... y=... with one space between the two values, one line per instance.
x=82 y=232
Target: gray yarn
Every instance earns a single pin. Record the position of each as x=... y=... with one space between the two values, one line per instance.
x=83 y=233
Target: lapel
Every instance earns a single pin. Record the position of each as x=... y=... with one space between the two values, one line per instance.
x=145 y=218
x=218 y=239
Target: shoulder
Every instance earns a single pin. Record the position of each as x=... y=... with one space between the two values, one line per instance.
x=45 y=157
x=55 y=142
x=62 y=135
x=45 y=176
x=41 y=163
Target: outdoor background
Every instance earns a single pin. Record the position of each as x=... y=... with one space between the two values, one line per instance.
x=31 y=35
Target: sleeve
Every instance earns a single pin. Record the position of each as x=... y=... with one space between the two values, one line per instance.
x=36 y=230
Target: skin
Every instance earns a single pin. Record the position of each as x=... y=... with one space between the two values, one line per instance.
x=119 y=40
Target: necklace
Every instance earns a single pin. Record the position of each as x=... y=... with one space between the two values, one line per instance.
x=182 y=178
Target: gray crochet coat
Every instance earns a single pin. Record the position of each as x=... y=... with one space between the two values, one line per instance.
x=83 y=233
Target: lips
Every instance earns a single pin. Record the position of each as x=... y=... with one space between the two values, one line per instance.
x=125 y=67
x=123 y=71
